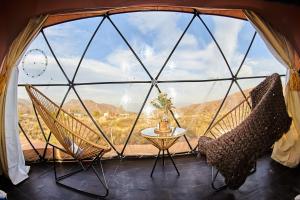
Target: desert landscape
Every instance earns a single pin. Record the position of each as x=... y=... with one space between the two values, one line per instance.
x=116 y=123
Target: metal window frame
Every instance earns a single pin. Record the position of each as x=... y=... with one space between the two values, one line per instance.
x=154 y=82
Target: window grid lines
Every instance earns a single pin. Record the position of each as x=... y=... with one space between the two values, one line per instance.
x=72 y=84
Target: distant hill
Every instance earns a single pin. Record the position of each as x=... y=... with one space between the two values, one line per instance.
x=211 y=106
x=74 y=106
x=24 y=106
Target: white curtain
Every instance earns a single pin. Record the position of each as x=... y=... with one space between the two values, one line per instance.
x=17 y=170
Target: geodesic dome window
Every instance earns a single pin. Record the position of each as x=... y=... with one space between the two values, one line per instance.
x=105 y=70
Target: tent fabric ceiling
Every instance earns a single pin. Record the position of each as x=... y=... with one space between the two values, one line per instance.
x=62 y=17
x=14 y=14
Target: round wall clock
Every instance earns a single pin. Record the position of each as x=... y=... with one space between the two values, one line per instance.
x=34 y=63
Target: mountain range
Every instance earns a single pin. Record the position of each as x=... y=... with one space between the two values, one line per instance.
x=74 y=106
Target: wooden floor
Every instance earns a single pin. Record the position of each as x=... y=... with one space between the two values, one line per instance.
x=130 y=179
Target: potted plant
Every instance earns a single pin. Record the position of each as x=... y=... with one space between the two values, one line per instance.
x=164 y=104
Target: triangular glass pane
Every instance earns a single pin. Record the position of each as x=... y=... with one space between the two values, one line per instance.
x=149 y=117
x=68 y=41
x=109 y=59
x=30 y=126
x=197 y=57
x=73 y=106
x=38 y=65
x=233 y=36
x=234 y=97
x=114 y=107
x=152 y=35
x=28 y=151
x=249 y=84
x=194 y=110
x=260 y=61
x=28 y=119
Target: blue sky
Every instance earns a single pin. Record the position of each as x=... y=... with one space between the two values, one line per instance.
x=152 y=36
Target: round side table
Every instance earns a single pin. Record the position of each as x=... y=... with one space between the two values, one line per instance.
x=163 y=142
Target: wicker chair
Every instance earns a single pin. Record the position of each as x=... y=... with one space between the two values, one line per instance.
x=78 y=140
x=246 y=133
x=231 y=119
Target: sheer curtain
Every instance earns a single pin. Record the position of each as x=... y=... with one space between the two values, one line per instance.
x=17 y=171
x=286 y=150
x=11 y=155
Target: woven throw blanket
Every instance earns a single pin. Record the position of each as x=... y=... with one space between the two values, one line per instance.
x=235 y=152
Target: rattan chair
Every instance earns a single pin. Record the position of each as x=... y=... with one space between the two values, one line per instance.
x=246 y=133
x=77 y=139
x=231 y=119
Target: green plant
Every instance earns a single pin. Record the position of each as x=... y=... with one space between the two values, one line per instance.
x=162 y=102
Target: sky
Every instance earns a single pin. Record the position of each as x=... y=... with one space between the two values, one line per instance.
x=152 y=36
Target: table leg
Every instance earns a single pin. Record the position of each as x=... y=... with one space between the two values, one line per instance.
x=155 y=163
x=163 y=157
x=173 y=162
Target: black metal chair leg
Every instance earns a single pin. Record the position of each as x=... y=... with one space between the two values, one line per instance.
x=173 y=162
x=214 y=176
x=213 y=179
x=98 y=176
x=54 y=164
x=59 y=178
x=163 y=158
x=155 y=163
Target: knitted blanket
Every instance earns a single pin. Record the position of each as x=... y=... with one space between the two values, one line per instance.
x=235 y=152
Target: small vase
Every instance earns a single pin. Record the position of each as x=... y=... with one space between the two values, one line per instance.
x=163 y=126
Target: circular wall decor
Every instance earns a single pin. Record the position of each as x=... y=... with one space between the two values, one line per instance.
x=34 y=63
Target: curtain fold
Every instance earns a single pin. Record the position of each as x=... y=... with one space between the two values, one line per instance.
x=10 y=61
x=286 y=150
x=17 y=170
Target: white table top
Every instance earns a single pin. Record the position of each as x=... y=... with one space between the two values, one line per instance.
x=176 y=132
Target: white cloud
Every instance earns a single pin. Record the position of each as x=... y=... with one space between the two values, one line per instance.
x=261 y=66
x=226 y=33
x=206 y=62
x=159 y=32
x=119 y=65
x=64 y=38
x=156 y=37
